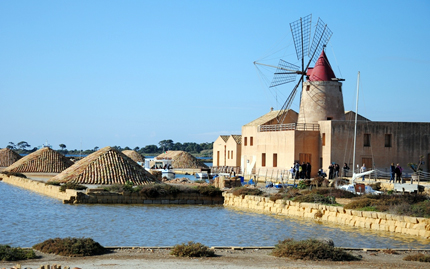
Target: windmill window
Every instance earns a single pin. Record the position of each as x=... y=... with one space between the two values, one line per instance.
x=263 y=159
x=251 y=140
x=323 y=139
x=366 y=140
x=388 y=140
x=340 y=88
x=245 y=141
x=308 y=87
x=329 y=118
x=275 y=160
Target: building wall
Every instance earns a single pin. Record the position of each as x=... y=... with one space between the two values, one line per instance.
x=234 y=151
x=308 y=142
x=409 y=140
x=219 y=148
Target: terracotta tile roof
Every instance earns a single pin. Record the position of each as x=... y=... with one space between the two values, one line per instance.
x=45 y=160
x=237 y=138
x=105 y=166
x=225 y=137
x=8 y=157
x=264 y=119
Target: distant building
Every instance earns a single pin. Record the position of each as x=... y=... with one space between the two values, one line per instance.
x=322 y=133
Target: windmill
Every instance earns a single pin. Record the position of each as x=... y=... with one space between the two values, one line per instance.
x=287 y=72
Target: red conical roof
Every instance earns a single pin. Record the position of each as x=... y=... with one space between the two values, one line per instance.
x=322 y=70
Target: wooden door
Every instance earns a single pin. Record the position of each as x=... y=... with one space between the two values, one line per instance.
x=368 y=162
x=305 y=157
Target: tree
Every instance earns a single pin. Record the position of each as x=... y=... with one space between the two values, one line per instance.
x=11 y=145
x=23 y=145
x=166 y=144
x=150 y=149
x=136 y=149
x=96 y=148
x=62 y=146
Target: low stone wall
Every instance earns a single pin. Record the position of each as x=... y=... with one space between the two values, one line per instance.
x=99 y=196
x=40 y=187
x=334 y=214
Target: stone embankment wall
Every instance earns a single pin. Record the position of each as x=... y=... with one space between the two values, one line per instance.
x=334 y=214
x=40 y=187
x=99 y=196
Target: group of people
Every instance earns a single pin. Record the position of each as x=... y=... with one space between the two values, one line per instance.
x=396 y=173
x=301 y=171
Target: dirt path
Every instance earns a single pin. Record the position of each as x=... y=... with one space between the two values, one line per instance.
x=226 y=258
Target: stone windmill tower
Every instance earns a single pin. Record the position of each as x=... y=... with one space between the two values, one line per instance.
x=321 y=97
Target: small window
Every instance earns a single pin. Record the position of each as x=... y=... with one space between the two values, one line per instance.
x=263 y=159
x=366 y=140
x=245 y=141
x=228 y=155
x=329 y=118
x=308 y=87
x=340 y=88
x=388 y=140
x=231 y=155
x=275 y=160
x=251 y=141
x=323 y=139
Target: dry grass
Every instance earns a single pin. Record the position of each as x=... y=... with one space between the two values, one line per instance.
x=192 y=249
x=72 y=247
x=311 y=249
x=419 y=257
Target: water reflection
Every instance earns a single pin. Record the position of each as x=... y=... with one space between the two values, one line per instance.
x=28 y=218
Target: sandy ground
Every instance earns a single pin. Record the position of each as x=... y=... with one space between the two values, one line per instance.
x=226 y=258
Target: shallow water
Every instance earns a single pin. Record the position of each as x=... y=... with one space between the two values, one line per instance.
x=27 y=218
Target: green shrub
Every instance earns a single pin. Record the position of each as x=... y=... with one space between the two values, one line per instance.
x=8 y=253
x=311 y=249
x=156 y=190
x=72 y=247
x=72 y=186
x=315 y=198
x=200 y=181
x=302 y=185
x=419 y=257
x=192 y=250
x=357 y=204
x=53 y=183
x=209 y=190
x=246 y=191
x=15 y=174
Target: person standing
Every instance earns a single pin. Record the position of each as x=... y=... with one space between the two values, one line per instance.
x=363 y=169
x=308 y=170
x=398 y=172
x=336 y=170
x=297 y=168
x=345 y=169
x=303 y=173
x=392 y=172
x=330 y=171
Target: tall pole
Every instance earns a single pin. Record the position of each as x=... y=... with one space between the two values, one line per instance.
x=355 y=125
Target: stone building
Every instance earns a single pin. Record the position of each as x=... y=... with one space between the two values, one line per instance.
x=322 y=133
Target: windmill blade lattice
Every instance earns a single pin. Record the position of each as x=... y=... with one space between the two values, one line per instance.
x=321 y=37
x=285 y=73
x=301 y=31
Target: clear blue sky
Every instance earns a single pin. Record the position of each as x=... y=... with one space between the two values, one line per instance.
x=132 y=73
